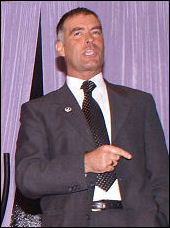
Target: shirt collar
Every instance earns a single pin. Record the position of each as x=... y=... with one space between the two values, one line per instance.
x=75 y=83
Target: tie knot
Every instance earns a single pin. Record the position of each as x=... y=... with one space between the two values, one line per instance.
x=88 y=86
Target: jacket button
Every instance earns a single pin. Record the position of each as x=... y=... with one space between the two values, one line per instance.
x=75 y=188
x=78 y=187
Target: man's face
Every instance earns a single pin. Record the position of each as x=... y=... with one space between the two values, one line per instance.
x=83 y=46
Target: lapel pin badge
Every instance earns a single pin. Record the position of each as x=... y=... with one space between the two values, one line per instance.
x=68 y=109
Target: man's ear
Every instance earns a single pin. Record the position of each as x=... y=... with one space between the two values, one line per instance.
x=60 y=48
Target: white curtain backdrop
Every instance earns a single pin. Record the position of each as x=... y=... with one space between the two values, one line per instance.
x=19 y=29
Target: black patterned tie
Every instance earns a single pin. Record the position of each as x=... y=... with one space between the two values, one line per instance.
x=97 y=126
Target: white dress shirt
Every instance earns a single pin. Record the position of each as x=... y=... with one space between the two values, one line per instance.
x=101 y=96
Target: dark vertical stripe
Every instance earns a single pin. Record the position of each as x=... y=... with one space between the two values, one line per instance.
x=6 y=184
x=37 y=81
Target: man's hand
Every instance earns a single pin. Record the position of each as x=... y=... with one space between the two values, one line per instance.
x=104 y=158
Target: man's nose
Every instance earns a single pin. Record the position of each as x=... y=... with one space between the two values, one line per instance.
x=89 y=38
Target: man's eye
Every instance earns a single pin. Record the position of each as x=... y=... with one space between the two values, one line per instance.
x=77 y=34
x=96 y=32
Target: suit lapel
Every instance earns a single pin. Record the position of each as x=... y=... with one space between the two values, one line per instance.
x=71 y=110
x=119 y=108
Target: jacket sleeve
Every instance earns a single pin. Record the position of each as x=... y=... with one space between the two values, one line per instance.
x=157 y=160
x=37 y=174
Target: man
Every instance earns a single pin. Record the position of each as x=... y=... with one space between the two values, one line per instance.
x=58 y=159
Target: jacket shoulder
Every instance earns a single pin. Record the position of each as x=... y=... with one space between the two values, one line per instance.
x=48 y=98
x=127 y=91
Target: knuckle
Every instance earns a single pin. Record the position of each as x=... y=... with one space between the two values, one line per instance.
x=104 y=148
x=117 y=157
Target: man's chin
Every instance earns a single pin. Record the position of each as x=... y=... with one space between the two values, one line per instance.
x=92 y=67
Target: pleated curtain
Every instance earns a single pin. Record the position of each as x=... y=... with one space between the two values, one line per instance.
x=19 y=29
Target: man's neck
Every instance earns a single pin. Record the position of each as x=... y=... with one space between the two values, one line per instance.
x=83 y=75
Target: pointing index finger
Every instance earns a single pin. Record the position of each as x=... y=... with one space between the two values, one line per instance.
x=121 y=152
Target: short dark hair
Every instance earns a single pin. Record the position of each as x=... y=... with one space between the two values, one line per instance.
x=76 y=11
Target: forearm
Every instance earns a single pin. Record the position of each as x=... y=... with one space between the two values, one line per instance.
x=38 y=177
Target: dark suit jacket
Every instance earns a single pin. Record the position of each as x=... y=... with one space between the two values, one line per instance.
x=50 y=158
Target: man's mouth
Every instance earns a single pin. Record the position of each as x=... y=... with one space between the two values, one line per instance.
x=89 y=52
